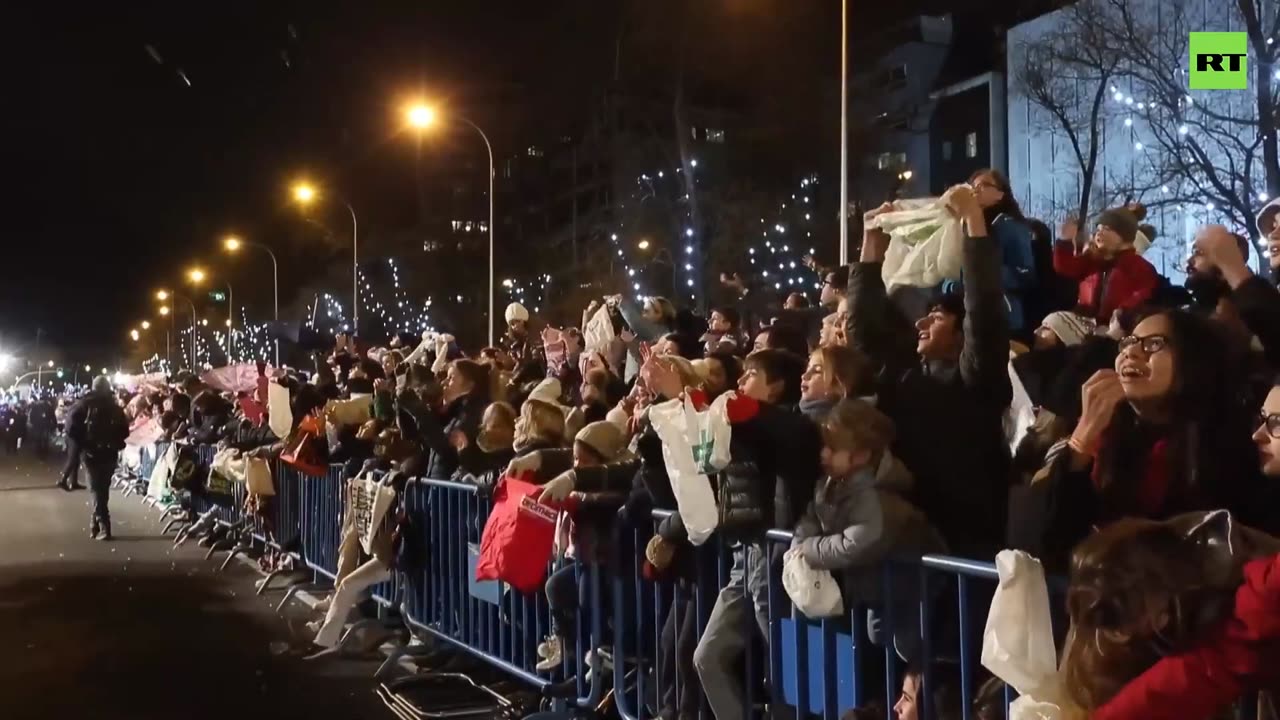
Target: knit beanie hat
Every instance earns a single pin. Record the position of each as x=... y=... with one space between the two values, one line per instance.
x=1070 y=328
x=605 y=438
x=1121 y=221
x=516 y=311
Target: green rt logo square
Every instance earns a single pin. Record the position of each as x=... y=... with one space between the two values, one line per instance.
x=1219 y=61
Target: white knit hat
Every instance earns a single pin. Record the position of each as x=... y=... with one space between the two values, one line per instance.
x=1070 y=328
x=606 y=438
x=516 y=311
x=547 y=391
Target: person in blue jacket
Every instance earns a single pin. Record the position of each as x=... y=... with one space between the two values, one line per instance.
x=1009 y=228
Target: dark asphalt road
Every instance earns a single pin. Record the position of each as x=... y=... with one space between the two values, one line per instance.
x=135 y=630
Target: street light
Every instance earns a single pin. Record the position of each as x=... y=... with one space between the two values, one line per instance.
x=163 y=295
x=86 y=368
x=135 y=335
x=50 y=363
x=305 y=193
x=644 y=245
x=197 y=276
x=420 y=116
x=146 y=324
x=233 y=244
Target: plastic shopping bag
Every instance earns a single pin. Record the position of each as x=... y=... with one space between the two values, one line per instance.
x=158 y=485
x=926 y=244
x=598 y=334
x=1017 y=645
x=257 y=477
x=814 y=592
x=516 y=544
x=279 y=414
x=688 y=457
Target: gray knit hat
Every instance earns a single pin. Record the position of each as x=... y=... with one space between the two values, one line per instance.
x=1121 y=221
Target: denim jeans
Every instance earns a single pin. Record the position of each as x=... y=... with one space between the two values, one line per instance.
x=727 y=636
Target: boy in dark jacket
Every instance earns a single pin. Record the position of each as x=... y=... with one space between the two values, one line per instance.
x=947 y=398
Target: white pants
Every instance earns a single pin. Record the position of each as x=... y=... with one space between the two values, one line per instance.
x=351 y=584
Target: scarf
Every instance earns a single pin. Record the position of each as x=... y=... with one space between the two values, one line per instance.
x=817 y=410
x=1152 y=491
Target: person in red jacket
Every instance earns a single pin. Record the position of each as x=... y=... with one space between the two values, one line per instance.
x=1241 y=655
x=1111 y=273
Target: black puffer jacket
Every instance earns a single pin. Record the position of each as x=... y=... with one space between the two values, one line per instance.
x=774 y=465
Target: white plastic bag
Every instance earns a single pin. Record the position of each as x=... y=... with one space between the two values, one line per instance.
x=158 y=487
x=598 y=334
x=677 y=426
x=926 y=244
x=1017 y=645
x=257 y=477
x=228 y=463
x=814 y=592
x=279 y=414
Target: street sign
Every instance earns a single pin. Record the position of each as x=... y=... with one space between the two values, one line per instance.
x=218 y=296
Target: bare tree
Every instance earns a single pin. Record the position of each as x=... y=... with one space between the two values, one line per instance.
x=1067 y=73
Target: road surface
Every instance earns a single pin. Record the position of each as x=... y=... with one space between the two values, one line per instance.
x=135 y=630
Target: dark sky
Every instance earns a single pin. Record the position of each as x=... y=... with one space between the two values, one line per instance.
x=135 y=134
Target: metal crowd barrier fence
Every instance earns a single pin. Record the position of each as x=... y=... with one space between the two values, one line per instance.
x=649 y=628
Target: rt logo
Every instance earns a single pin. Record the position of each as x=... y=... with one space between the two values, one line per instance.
x=1219 y=61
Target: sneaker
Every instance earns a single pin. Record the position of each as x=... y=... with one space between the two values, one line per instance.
x=553 y=657
x=94 y=528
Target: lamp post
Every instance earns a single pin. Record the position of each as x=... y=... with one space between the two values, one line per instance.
x=844 y=132
x=305 y=193
x=232 y=244
x=164 y=295
x=197 y=276
x=421 y=116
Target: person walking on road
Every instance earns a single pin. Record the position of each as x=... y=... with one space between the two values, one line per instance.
x=98 y=428
x=70 y=478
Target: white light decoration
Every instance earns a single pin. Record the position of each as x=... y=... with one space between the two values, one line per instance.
x=1142 y=106
x=1128 y=100
x=688 y=232
x=1164 y=188
x=1263 y=197
x=689 y=283
x=1119 y=96
x=614 y=236
x=688 y=248
x=1210 y=206
x=1137 y=146
x=693 y=162
x=1183 y=130
x=687 y=266
x=636 y=286
x=1277 y=73
x=1128 y=122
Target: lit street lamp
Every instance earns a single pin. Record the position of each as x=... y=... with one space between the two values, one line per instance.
x=164 y=295
x=421 y=117
x=197 y=276
x=305 y=193
x=233 y=244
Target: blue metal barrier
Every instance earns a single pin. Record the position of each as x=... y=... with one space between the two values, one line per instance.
x=321 y=522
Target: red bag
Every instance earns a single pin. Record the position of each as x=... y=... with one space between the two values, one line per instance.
x=517 y=540
x=305 y=449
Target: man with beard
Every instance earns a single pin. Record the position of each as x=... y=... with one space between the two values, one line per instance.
x=1111 y=273
x=1246 y=305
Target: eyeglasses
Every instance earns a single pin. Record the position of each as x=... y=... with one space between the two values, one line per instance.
x=1271 y=423
x=1150 y=344
x=979 y=185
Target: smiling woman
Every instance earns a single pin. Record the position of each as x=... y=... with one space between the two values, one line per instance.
x=1161 y=434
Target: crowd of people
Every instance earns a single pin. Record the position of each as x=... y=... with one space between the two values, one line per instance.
x=1060 y=397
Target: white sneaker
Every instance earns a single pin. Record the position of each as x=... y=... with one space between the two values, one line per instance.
x=553 y=656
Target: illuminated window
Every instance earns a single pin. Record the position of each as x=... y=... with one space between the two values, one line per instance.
x=971 y=145
x=534 y=151
x=715 y=135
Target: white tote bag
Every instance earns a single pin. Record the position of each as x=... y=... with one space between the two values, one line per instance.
x=257 y=477
x=158 y=487
x=926 y=244
x=228 y=463
x=677 y=428
x=814 y=592
x=598 y=333
x=367 y=505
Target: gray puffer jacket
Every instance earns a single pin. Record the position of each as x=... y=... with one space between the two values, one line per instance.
x=854 y=524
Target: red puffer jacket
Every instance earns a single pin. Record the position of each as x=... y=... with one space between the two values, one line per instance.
x=1241 y=655
x=1123 y=284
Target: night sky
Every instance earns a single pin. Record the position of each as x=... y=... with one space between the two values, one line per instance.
x=136 y=134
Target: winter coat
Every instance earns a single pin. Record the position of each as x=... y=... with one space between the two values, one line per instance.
x=463 y=415
x=1061 y=506
x=1017 y=267
x=854 y=524
x=949 y=417
x=1124 y=283
x=1240 y=656
x=773 y=466
x=78 y=429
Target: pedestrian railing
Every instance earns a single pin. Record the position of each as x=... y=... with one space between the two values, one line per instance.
x=646 y=627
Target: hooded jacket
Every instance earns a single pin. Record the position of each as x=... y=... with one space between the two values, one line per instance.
x=949 y=417
x=1241 y=655
x=1124 y=283
x=855 y=523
